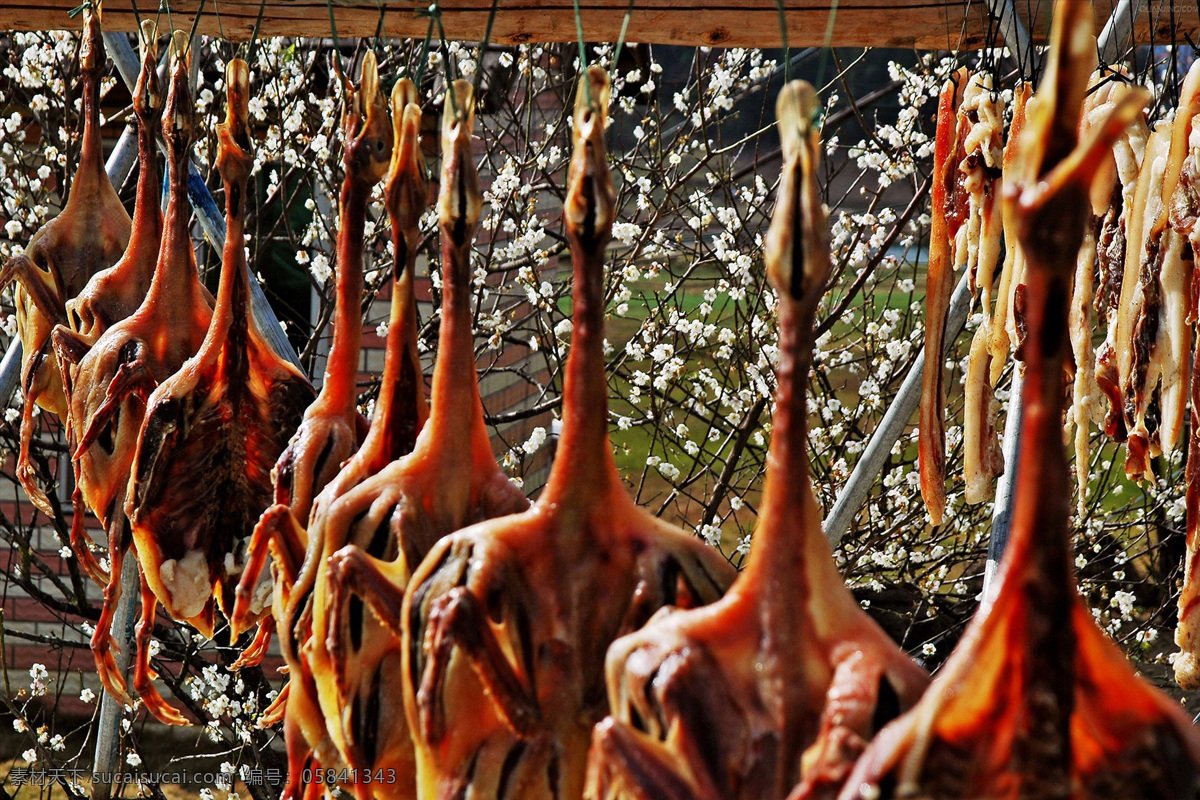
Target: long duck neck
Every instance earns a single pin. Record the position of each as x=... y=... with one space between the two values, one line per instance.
x=456 y=410
x=788 y=543
x=230 y=323
x=176 y=285
x=584 y=475
x=147 y=209
x=455 y=403
x=790 y=561
x=401 y=410
x=584 y=469
x=368 y=137
x=90 y=176
x=340 y=389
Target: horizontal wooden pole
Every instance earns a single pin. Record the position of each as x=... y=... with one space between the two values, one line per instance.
x=923 y=24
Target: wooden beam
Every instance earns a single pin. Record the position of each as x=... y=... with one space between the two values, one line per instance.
x=922 y=24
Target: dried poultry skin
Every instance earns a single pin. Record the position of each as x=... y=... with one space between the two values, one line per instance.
x=226 y=414
x=331 y=428
x=327 y=436
x=380 y=516
x=506 y=623
x=1003 y=333
x=787 y=671
x=977 y=248
x=1182 y=187
x=948 y=212
x=115 y=293
x=1036 y=702
x=117 y=374
x=89 y=235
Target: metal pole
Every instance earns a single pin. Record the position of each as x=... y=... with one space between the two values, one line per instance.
x=108 y=729
x=894 y=421
x=1002 y=508
x=1015 y=34
x=212 y=222
x=1118 y=30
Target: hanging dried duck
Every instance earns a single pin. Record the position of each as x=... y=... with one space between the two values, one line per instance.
x=328 y=435
x=400 y=413
x=506 y=623
x=1036 y=701
x=1099 y=273
x=332 y=426
x=780 y=684
x=115 y=293
x=226 y=414
x=115 y=375
x=977 y=247
x=380 y=516
x=89 y=235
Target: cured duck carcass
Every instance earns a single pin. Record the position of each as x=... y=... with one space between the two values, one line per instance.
x=88 y=236
x=115 y=293
x=332 y=426
x=115 y=376
x=380 y=516
x=400 y=413
x=226 y=414
x=773 y=690
x=506 y=623
x=328 y=435
x=1036 y=702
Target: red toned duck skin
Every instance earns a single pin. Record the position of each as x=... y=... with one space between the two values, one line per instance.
x=506 y=623
x=773 y=690
x=118 y=373
x=225 y=414
x=89 y=235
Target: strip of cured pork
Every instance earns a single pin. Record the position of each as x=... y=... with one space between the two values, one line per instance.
x=786 y=669
x=1182 y=186
x=1099 y=271
x=931 y=444
x=977 y=248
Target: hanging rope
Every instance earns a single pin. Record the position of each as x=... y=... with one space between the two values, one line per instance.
x=621 y=39
x=487 y=39
x=583 y=65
